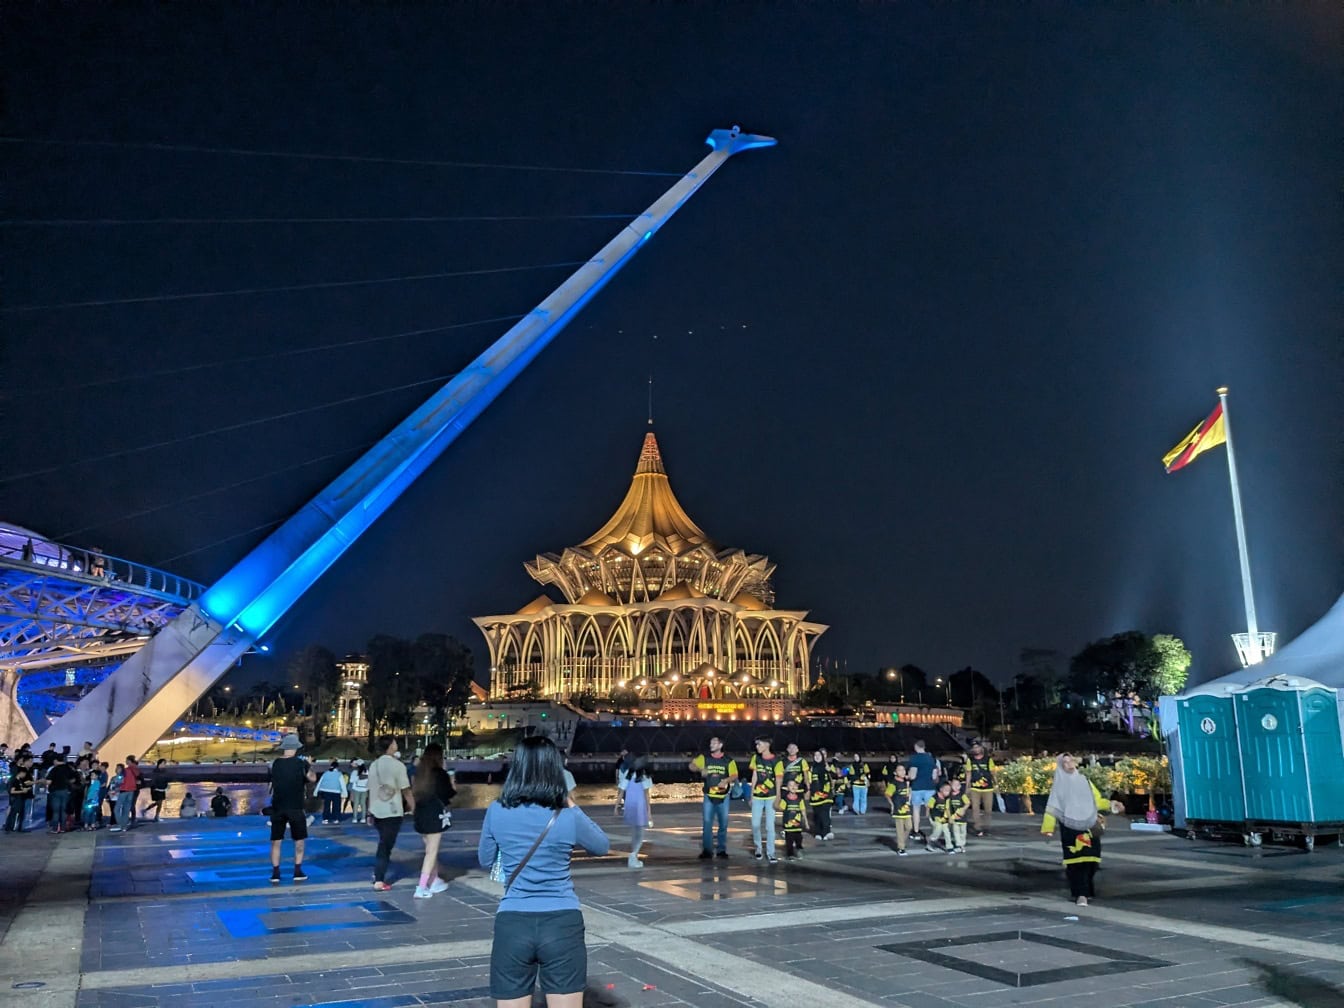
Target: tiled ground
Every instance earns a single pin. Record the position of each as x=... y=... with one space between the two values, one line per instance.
x=182 y=915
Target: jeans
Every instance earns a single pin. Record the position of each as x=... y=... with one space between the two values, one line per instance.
x=715 y=811
x=763 y=809
x=331 y=805
x=18 y=812
x=387 y=839
x=125 y=806
x=89 y=815
x=56 y=803
x=359 y=803
x=860 y=799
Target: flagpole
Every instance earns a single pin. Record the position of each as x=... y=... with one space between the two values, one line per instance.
x=1254 y=650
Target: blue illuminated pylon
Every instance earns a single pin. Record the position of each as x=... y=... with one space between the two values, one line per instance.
x=129 y=710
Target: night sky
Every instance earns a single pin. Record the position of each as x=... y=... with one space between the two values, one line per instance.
x=926 y=354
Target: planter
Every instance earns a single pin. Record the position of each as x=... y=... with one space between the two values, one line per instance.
x=1020 y=803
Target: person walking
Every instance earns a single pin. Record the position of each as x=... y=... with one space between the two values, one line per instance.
x=331 y=789
x=526 y=838
x=898 y=797
x=978 y=773
x=433 y=790
x=637 y=813
x=718 y=772
x=820 y=797
x=766 y=773
x=158 y=789
x=924 y=772
x=290 y=777
x=390 y=798
x=861 y=777
x=793 y=805
x=1074 y=806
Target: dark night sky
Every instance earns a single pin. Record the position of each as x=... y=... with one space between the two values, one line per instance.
x=926 y=354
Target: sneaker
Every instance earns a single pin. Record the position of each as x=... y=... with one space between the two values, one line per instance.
x=958 y=850
x=790 y=857
x=438 y=885
x=1082 y=901
x=275 y=876
x=422 y=893
x=299 y=874
x=981 y=832
x=115 y=829
x=829 y=836
x=723 y=854
x=901 y=853
x=633 y=862
x=757 y=854
x=705 y=855
x=381 y=887
x=799 y=854
x=773 y=860
x=819 y=837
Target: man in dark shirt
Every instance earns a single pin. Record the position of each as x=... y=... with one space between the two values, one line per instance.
x=289 y=777
x=20 y=793
x=60 y=778
x=158 y=788
x=924 y=773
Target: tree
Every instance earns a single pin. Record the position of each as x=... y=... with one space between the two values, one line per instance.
x=443 y=673
x=1128 y=667
x=314 y=671
x=970 y=687
x=389 y=692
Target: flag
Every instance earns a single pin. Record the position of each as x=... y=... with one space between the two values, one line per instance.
x=1209 y=434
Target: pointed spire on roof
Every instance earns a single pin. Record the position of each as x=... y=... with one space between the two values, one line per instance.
x=650 y=514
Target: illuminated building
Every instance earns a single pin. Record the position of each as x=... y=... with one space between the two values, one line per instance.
x=656 y=611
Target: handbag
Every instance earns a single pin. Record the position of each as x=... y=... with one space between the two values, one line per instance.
x=497 y=869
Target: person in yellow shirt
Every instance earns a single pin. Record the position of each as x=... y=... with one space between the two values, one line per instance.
x=718 y=771
x=766 y=773
x=794 y=806
x=898 y=795
x=958 y=804
x=977 y=770
x=820 y=797
x=940 y=816
x=1074 y=806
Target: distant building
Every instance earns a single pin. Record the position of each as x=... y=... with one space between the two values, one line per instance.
x=652 y=608
x=349 y=721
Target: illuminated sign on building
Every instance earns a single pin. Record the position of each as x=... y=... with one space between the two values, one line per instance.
x=721 y=708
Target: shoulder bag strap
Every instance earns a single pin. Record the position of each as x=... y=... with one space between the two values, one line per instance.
x=532 y=850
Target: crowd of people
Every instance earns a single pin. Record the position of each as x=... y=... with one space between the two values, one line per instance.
x=79 y=791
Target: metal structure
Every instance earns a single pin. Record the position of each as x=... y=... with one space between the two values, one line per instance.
x=129 y=710
x=61 y=604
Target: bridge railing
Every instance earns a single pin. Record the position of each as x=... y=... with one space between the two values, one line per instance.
x=93 y=563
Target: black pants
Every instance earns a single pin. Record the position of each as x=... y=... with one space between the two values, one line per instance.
x=793 y=842
x=821 y=819
x=1080 y=843
x=387 y=839
x=18 y=806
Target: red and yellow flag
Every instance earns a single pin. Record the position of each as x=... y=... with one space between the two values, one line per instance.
x=1209 y=434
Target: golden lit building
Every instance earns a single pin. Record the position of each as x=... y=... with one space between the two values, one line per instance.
x=653 y=607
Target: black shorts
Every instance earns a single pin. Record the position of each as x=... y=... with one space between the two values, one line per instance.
x=525 y=942
x=297 y=820
x=157 y=796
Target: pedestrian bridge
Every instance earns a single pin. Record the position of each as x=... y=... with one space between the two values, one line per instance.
x=69 y=616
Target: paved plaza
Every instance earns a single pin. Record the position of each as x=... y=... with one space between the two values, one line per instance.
x=180 y=914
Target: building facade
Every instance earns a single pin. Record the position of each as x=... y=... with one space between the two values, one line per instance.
x=652 y=610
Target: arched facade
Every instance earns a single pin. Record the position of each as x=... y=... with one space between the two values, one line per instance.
x=652 y=607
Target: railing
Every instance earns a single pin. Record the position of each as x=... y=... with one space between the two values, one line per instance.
x=34 y=551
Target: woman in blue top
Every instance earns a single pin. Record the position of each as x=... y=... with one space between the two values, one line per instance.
x=538 y=925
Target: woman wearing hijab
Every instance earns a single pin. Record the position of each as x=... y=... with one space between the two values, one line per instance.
x=1073 y=806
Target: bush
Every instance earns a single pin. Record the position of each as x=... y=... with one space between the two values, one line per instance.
x=1143 y=775
x=1015 y=776
x=1102 y=778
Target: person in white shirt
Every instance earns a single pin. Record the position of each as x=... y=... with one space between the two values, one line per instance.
x=359 y=790
x=390 y=799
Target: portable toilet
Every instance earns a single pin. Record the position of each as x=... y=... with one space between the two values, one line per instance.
x=1210 y=761
x=1291 y=752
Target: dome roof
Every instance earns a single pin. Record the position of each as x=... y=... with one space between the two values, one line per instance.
x=536 y=605
x=747 y=600
x=594 y=597
x=681 y=590
x=650 y=515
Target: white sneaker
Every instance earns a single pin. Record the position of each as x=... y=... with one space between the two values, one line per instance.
x=422 y=893
x=829 y=836
x=438 y=885
x=633 y=862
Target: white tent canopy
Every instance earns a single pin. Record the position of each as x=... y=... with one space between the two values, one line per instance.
x=1316 y=653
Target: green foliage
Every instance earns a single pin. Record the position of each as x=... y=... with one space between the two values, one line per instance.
x=443 y=669
x=1102 y=778
x=313 y=671
x=1143 y=775
x=1130 y=664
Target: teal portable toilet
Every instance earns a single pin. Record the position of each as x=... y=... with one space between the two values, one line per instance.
x=1291 y=754
x=1210 y=760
